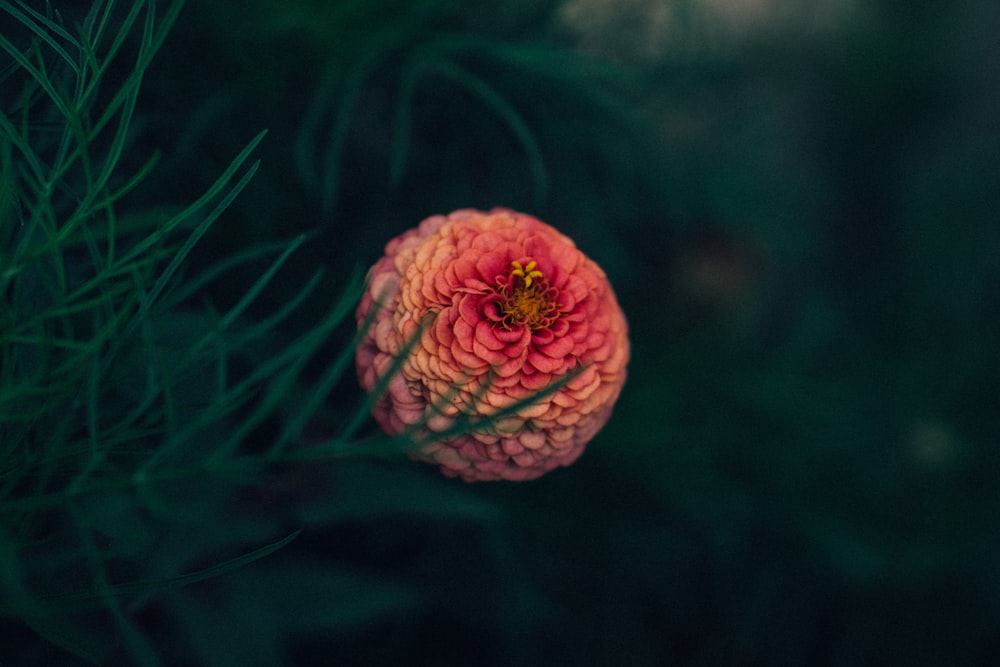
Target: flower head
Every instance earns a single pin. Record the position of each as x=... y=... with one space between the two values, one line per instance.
x=504 y=307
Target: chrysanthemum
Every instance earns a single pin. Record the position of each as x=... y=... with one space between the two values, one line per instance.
x=505 y=307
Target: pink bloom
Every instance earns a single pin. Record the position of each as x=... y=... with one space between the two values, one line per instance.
x=509 y=306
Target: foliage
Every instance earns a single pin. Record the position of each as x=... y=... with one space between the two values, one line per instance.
x=117 y=378
x=799 y=219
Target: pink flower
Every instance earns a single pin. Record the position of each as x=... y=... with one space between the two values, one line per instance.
x=504 y=306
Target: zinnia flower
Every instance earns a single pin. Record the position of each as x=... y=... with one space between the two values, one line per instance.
x=505 y=307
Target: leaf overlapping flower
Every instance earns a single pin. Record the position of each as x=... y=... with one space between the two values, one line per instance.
x=512 y=307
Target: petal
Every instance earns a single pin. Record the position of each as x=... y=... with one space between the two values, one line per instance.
x=535 y=381
x=508 y=425
x=559 y=328
x=525 y=460
x=533 y=410
x=518 y=349
x=558 y=348
x=512 y=446
x=464 y=333
x=509 y=368
x=563 y=399
x=383 y=286
x=581 y=391
x=566 y=300
x=442 y=328
x=487 y=241
x=532 y=439
x=542 y=337
x=442 y=285
x=489 y=308
x=490 y=265
x=467 y=360
x=465 y=266
x=543 y=363
x=486 y=336
x=492 y=357
x=511 y=335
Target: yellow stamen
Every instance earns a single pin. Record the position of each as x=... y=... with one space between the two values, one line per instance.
x=528 y=301
x=528 y=273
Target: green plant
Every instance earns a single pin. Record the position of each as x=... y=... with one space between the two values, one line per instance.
x=137 y=414
x=116 y=374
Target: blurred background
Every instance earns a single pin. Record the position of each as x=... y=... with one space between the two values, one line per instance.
x=797 y=204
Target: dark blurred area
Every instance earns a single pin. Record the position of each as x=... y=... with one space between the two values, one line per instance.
x=799 y=207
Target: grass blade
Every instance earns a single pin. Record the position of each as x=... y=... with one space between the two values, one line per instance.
x=157 y=585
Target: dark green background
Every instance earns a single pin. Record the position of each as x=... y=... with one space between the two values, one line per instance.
x=800 y=218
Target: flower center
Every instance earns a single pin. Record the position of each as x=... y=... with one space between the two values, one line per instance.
x=527 y=299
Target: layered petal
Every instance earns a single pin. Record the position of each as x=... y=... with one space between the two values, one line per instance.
x=505 y=306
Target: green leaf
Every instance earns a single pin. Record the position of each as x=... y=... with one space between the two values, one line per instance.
x=146 y=587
